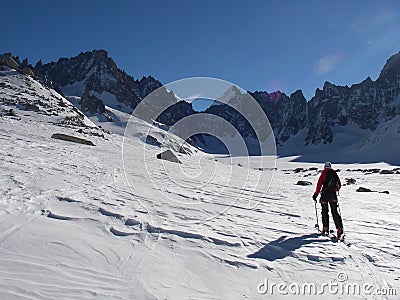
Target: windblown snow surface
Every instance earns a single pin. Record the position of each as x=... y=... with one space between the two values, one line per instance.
x=111 y=221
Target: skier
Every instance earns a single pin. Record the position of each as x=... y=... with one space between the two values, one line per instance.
x=330 y=183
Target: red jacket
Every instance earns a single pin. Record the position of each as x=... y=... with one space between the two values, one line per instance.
x=321 y=181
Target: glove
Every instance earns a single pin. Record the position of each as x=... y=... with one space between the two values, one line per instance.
x=315 y=197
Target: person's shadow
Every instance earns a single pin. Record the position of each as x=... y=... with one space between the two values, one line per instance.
x=284 y=247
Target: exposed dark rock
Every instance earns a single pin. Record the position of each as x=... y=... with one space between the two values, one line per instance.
x=9 y=61
x=131 y=222
x=92 y=133
x=168 y=155
x=184 y=150
x=27 y=71
x=302 y=182
x=350 y=181
x=386 y=172
x=70 y=138
x=29 y=106
x=11 y=113
x=92 y=104
x=74 y=121
x=371 y=170
x=175 y=112
x=362 y=189
x=287 y=115
x=151 y=140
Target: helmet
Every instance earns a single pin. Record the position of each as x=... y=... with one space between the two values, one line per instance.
x=328 y=165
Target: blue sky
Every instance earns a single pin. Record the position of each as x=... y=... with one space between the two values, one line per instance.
x=258 y=45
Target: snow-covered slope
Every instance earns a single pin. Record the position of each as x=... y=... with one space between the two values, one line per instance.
x=113 y=222
x=22 y=92
x=351 y=144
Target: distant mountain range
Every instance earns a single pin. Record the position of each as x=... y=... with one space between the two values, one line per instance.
x=360 y=123
x=95 y=74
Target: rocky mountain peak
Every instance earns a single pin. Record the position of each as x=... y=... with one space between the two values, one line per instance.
x=96 y=73
x=231 y=95
x=391 y=68
x=297 y=94
x=276 y=96
x=101 y=54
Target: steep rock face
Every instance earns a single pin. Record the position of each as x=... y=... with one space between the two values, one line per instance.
x=287 y=115
x=364 y=105
x=360 y=108
x=323 y=112
x=95 y=72
x=14 y=63
x=175 y=113
x=91 y=105
x=230 y=112
x=390 y=71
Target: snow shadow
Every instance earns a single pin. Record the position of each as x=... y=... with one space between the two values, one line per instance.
x=284 y=247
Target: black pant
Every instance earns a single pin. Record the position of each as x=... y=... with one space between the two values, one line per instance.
x=335 y=215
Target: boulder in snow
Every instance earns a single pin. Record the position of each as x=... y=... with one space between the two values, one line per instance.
x=350 y=181
x=11 y=113
x=362 y=189
x=70 y=138
x=302 y=182
x=168 y=155
x=151 y=140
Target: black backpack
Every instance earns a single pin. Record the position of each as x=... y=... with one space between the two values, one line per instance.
x=331 y=181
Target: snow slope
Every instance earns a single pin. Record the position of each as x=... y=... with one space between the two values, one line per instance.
x=113 y=222
x=23 y=92
x=351 y=144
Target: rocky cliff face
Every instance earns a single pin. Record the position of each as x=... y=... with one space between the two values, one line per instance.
x=287 y=115
x=362 y=107
x=96 y=73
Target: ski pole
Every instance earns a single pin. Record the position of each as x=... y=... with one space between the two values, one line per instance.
x=316 y=215
x=340 y=213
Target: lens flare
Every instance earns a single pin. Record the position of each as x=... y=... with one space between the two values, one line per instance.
x=327 y=63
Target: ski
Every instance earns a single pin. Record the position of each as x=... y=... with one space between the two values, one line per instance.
x=335 y=239
x=331 y=235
